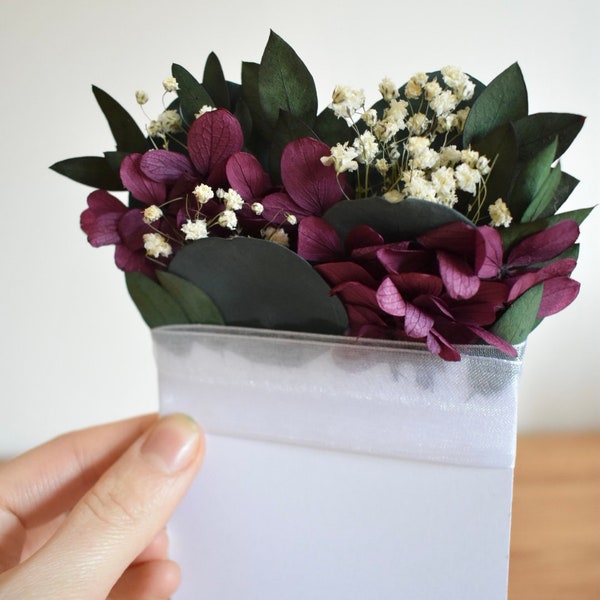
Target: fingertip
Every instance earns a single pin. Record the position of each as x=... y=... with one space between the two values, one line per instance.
x=173 y=444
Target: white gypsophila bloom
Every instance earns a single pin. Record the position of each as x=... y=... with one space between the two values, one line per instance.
x=156 y=245
x=141 y=97
x=170 y=84
x=418 y=186
x=385 y=130
x=220 y=193
x=469 y=157
x=382 y=166
x=459 y=81
x=170 y=121
x=366 y=147
x=414 y=87
x=432 y=89
x=154 y=128
x=393 y=151
x=446 y=123
x=453 y=76
x=417 y=124
x=500 y=214
x=195 y=230
x=417 y=144
x=393 y=196
x=291 y=219
x=346 y=101
x=203 y=193
x=427 y=159
x=443 y=103
x=445 y=185
x=342 y=158
x=369 y=117
x=397 y=112
x=388 y=89
x=151 y=214
x=228 y=219
x=277 y=235
x=204 y=109
x=483 y=165
x=233 y=201
x=467 y=178
x=257 y=208
x=449 y=155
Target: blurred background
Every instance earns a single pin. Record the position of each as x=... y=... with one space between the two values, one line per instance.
x=73 y=349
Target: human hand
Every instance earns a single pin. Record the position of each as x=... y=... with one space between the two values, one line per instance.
x=82 y=517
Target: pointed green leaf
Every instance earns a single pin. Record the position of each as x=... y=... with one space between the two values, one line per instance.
x=394 y=221
x=535 y=132
x=332 y=130
x=520 y=318
x=191 y=93
x=196 y=305
x=566 y=185
x=128 y=136
x=214 y=82
x=250 y=95
x=500 y=146
x=257 y=283
x=155 y=304
x=284 y=83
x=530 y=179
x=544 y=196
x=94 y=171
x=503 y=100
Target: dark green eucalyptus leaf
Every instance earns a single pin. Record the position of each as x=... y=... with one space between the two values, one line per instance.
x=519 y=231
x=535 y=132
x=261 y=128
x=502 y=101
x=94 y=171
x=500 y=146
x=399 y=221
x=287 y=129
x=115 y=159
x=191 y=93
x=196 y=305
x=565 y=187
x=257 y=283
x=332 y=130
x=155 y=304
x=214 y=82
x=521 y=317
x=530 y=179
x=128 y=136
x=284 y=83
x=544 y=196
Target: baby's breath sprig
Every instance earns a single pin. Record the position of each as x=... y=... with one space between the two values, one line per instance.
x=404 y=145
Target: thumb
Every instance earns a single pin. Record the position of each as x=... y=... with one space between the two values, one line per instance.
x=119 y=516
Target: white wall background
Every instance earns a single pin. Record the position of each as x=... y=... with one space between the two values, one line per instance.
x=73 y=350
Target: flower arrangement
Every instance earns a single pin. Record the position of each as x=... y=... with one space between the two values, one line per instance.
x=430 y=216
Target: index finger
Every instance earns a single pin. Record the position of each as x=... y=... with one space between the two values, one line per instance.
x=48 y=480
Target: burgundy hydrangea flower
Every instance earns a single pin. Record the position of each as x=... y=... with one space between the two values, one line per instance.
x=108 y=221
x=535 y=260
x=160 y=175
x=310 y=187
x=429 y=289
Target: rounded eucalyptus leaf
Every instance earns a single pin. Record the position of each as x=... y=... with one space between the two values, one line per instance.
x=257 y=283
x=396 y=222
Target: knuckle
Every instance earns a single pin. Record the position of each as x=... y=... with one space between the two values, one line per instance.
x=110 y=507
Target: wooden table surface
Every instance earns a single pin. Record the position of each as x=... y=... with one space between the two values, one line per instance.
x=555 y=540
